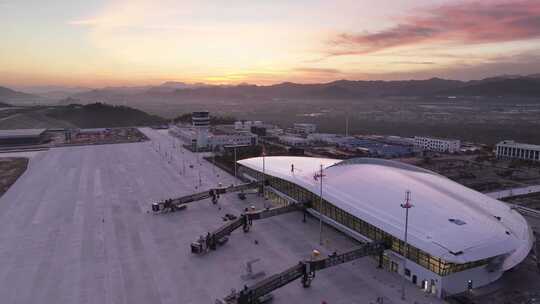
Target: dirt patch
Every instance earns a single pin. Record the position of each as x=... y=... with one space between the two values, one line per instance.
x=10 y=170
x=484 y=173
x=100 y=136
x=529 y=200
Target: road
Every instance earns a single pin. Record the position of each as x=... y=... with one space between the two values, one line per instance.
x=514 y=192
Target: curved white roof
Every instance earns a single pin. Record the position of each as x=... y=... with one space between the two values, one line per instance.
x=373 y=189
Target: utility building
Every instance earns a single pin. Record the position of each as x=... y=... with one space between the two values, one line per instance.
x=22 y=137
x=458 y=238
x=510 y=149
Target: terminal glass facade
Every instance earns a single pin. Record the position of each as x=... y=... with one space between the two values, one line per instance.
x=422 y=258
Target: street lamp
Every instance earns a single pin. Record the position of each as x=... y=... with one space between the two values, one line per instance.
x=407 y=205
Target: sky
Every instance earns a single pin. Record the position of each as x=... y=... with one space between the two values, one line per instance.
x=97 y=43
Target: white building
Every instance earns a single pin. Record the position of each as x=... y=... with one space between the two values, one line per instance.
x=458 y=238
x=245 y=125
x=217 y=141
x=214 y=140
x=294 y=141
x=437 y=144
x=509 y=149
x=275 y=132
x=304 y=128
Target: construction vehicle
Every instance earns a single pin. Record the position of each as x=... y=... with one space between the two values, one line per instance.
x=220 y=236
x=171 y=205
x=260 y=292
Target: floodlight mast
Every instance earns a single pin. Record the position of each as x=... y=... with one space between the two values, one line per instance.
x=407 y=205
x=319 y=176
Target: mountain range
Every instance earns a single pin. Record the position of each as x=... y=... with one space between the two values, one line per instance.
x=506 y=85
x=524 y=86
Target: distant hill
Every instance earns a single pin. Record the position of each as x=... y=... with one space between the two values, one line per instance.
x=53 y=92
x=99 y=115
x=522 y=87
x=7 y=93
x=17 y=98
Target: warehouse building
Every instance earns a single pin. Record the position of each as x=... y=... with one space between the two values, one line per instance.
x=458 y=238
x=21 y=137
x=510 y=149
x=305 y=128
x=294 y=141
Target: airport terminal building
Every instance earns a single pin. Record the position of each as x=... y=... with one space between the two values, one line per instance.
x=458 y=238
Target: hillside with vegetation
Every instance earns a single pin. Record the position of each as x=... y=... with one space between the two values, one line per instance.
x=100 y=115
x=96 y=115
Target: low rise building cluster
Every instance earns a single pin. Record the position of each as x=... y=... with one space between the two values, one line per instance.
x=304 y=136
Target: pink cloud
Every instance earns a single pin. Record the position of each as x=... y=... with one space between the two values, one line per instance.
x=468 y=23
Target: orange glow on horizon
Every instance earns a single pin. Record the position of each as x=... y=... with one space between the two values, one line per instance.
x=143 y=42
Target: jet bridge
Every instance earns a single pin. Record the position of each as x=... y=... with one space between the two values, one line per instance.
x=171 y=205
x=220 y=236
x=305 y=270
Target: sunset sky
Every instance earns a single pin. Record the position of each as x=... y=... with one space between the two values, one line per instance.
x=136 y=42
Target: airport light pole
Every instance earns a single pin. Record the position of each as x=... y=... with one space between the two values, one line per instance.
x=234 y=147
x=183 y=164
x=214 y=159
x=407 y=205
x=320 y=176
x=198 y=162
x=200 y=180
x=264 y=171
x=235 y=162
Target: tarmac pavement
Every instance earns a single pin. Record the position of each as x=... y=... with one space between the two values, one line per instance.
x=76 y=228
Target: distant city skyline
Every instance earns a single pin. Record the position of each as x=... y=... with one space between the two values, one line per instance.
x=99 y=43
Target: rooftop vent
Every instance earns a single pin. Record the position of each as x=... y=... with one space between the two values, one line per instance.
x=457 y=222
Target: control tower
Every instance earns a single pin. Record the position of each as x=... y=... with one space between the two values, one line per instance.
x=201 y=122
